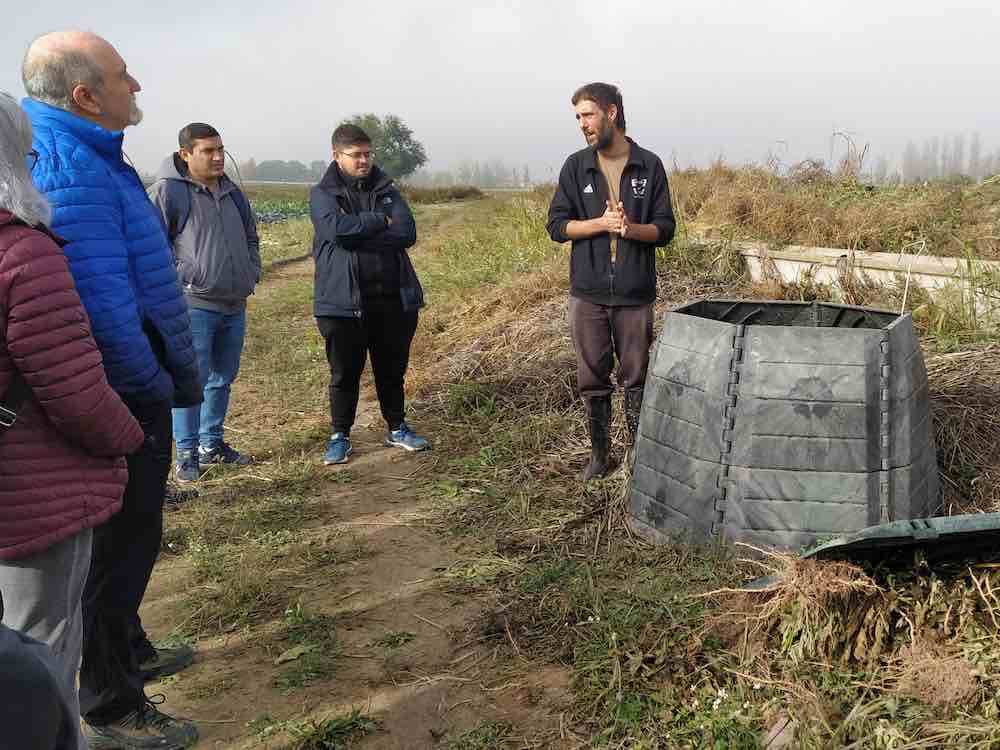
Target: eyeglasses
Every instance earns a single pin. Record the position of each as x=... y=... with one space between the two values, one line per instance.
x=359 y=155
x=32 y=157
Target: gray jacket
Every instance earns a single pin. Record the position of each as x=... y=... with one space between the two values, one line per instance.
x=217 y=254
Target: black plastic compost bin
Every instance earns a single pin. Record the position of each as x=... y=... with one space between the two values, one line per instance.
x=778 y=423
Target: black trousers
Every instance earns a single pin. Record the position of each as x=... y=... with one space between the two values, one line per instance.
x=125 y=550
x=383 y=331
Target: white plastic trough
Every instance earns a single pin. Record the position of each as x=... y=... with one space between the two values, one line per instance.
x=828 y=265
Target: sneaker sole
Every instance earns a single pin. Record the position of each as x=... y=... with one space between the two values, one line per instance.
x=393 y=444
x=96 y=742
x=108 y=743
x=328 y=462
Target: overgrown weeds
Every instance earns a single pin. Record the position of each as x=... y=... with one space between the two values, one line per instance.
x=654 y=662
x=835 y=656
x=813 y=207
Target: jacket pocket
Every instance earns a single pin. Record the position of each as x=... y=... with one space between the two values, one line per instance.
x=187 y=273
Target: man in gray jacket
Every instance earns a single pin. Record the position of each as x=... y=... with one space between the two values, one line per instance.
x=213 y=233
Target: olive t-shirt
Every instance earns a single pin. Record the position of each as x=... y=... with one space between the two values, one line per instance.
x=612 y=170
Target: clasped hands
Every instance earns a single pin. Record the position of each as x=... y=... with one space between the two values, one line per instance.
x=614 y=220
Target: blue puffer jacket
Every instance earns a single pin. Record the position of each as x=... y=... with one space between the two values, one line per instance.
x=119 y=256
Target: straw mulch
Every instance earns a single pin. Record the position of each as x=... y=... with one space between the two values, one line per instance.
x=965 y=400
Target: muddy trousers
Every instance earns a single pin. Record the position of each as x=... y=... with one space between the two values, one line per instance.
x=602 y=333
x=125 y=550
x=384 y=332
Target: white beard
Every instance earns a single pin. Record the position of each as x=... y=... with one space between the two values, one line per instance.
x=134 y=113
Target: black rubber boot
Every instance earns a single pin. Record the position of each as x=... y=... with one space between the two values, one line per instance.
x=598 y=422
x=633 y=408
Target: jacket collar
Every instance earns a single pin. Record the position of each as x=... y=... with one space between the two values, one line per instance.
x=107 y=142
x=636 y=156
x=334 y=181
x=8 y=219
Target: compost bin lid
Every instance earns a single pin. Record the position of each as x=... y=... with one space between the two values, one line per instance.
x=971 y=536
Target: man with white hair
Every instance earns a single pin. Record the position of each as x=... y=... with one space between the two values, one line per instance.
x=81 y=98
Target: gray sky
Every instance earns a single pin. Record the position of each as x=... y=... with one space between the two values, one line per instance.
x=478 y=80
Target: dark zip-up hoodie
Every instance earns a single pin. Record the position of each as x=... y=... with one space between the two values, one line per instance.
x=217 y=253
x=345 y=229
x=582 y=194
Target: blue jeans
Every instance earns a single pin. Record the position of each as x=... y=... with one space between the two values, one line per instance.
x=218 y=344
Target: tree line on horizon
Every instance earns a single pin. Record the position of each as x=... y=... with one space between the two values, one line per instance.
x=946 y=157
x=403 y=157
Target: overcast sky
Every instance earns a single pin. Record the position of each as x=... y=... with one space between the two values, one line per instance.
x=478 y=80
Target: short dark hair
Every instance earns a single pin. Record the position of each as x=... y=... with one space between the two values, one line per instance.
x=193 y=132
x=603 y=95
x=350 y=134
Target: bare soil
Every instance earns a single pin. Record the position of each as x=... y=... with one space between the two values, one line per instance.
x=440 y=683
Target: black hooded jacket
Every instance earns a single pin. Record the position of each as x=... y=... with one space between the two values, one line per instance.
x=582 y=194
x=349 y=222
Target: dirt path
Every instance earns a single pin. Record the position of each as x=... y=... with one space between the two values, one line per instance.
x=407 y=636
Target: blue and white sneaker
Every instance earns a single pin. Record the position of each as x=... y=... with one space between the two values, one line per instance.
x=187 y=468
x=223 y=453
x=407 y=439
x=338 y=449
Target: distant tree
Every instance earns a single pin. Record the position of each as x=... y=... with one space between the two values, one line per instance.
x=317 y=169
x=881 y=171
x=912 y=164
x=248 y=169
x=526 y=179
x=443 y=179
x=932 y=153
x=282 y=171
x=397 y=152
x=975 y=157
x=991 y=165
x=957 y=155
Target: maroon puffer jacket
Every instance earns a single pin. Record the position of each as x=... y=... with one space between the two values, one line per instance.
x=61 y=465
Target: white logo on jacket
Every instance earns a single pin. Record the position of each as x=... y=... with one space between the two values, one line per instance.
x=588 y=189
x=639 y=187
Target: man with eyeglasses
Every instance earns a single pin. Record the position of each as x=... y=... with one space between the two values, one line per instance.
x=366 y=292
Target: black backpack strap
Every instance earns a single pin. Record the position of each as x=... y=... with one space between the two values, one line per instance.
x=17 y=392
x=243 y=205
x=177 y=206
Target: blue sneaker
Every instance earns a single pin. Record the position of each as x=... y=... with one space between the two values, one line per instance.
x=338 y=449
x=223 y=453
x=187 y=468
x=407 y=439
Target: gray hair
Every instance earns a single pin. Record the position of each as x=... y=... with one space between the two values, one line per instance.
x=17 y=192
x=52 y=76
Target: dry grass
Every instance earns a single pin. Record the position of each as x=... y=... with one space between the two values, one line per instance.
x=655 y=665
x=924 y=639
x=847 y=655
x=965 y=393
x=813 y=207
